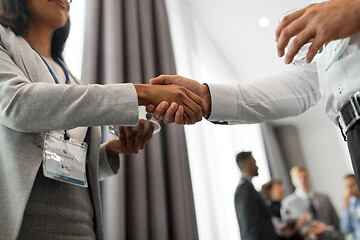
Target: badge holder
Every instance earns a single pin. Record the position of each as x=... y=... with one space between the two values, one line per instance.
x=65 y=159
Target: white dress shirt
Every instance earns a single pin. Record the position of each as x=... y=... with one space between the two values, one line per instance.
x=304 y=196
x=336 y=76
x=350 y=218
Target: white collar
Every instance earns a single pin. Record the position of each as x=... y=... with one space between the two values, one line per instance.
x=354 y=199
x=303 y=195
x=247 y=177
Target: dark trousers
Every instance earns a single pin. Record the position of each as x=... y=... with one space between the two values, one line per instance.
x=353 y=140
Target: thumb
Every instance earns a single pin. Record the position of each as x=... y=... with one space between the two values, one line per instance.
x=150 y=108
x=160 y=80
x=166 y=80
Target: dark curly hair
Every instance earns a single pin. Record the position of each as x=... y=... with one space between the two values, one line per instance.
x=266 y=188
x=15 y=16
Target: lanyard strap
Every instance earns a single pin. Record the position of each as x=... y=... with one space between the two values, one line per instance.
x=67 y=78
x=66 y=134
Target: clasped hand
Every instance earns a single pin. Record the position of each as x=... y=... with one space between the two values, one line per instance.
x=172 y=111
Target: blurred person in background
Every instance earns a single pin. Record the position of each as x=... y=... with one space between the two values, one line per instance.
x=274 y=192
x=253 y=216
x=350 y=218
x=305 y=200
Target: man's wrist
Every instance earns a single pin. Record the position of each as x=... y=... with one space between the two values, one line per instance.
x=206 y=96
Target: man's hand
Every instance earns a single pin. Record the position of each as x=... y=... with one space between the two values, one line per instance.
x=127 y=143
x=315 y=230
x=319 y=23
x=174 y=112
x=304 y=219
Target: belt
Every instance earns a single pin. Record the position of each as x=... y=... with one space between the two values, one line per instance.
x=349 y=114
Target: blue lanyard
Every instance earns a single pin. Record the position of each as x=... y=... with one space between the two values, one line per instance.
x=51 y=71
x=66 y=134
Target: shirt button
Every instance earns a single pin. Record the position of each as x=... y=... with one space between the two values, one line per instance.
x=339 y=89
x=340 y=57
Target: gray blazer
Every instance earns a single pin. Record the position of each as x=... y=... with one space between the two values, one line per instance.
x=31 y=104
x=295 y=206
x=325 y=210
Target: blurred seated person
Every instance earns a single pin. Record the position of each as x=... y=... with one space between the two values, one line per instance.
x=324 y=222
x=350 y=218
x=274 y=192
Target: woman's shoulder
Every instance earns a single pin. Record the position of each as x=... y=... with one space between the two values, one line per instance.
x=6 y=31
x=8 y=38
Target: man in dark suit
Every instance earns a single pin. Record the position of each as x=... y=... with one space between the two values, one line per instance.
x=252 y=213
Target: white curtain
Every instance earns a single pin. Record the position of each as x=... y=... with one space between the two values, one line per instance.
x=73 y=52
x=212 y=148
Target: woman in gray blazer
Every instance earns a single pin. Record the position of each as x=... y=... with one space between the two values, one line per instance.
x=39 y=96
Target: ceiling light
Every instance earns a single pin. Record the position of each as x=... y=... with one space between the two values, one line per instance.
x=264 y=22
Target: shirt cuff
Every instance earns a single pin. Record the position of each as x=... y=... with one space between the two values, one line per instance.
x=107 y=167
x=224 y=104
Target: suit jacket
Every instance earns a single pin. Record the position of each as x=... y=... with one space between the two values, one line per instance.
x=295 y=206
x=253 y=215
x=31 y=104
x=326 y=213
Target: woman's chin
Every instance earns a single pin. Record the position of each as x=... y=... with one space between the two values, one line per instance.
x=57 y=23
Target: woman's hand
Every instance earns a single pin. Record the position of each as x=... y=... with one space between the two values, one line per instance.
x=127 y=143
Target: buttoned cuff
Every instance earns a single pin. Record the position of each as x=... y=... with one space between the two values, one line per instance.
x=224 y=102
x=107 y=167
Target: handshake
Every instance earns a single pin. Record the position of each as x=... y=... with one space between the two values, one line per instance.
x=169 y=97
x=175 y=99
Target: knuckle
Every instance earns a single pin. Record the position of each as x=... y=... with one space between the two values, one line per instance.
x=198 y=109
x=179 y=93
x=192 y=116
x=285 y=19
x=312 y=9
x=285 y=32
x=311 y=5
x=277 y=32
x=324 y=31
x=296 y=41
